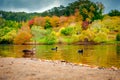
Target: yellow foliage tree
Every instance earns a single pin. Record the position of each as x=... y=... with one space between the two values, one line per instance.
x=54 y=21
x=87 y=34
x=112 y=23
x=101 y=37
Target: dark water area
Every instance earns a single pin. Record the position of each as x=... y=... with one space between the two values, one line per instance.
x=99 y=55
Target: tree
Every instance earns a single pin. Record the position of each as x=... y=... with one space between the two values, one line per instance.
x=31 y=22
x=91 y=10
x=47 y=25
x=39 y=21
x=85 y=25
x=2 y=22
x=9 y=37
x=78 y=16
x=62 y=21
x=54 y=21
x=101 y=37
x=23 y=35
x=114 y=13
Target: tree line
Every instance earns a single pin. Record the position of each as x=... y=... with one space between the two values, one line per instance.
x=86 y=8
x=81 y=20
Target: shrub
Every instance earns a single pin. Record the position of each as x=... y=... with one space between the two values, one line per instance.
x=51 y=38
x=22 y=37
x=67 y=31
x=87 y=34
x=70 y=39
x=47 y=25
x=9 y=37
x=101 y=37
x=37 y=33
x=118 y=37
x=40 y=35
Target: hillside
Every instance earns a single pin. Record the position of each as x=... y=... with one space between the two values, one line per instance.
x=80 y=21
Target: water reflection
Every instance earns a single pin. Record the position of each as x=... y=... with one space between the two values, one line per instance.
x=101 y=55
x=118 y=49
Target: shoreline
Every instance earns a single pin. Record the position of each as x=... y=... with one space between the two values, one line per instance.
x=36 y=69
x=75 y=43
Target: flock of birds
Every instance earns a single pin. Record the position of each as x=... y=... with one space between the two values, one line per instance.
x=33 y=51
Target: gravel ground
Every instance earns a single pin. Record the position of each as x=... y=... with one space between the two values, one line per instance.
x=35 y=69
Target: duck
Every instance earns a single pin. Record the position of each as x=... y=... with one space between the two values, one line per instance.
x=54 y=48
x=29 y=52
x=80 y=51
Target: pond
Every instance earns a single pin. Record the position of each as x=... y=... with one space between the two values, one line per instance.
x=100 y=55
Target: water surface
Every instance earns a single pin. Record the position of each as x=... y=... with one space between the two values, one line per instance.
x=100 y=55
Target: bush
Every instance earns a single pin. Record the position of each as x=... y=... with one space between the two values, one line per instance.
x=67 y=31
x=87 y=34
x=118 y=37
x=101 y=37
x=70 y=39
x=50 y=39
x=47 y=25
x=9 y=37
x=22 y=37
x=38 y=33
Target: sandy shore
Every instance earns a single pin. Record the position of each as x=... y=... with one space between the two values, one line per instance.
x=27 y=69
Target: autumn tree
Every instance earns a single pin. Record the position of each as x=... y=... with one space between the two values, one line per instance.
x=78 y=16
x=39 y=21
x=63 y=21
x=23 y=35
x=71 y=19
x=54 y=21
x=31 y=22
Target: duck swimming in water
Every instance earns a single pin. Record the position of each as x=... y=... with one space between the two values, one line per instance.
x=29 y=52
x=80 y=51
x=54 y=48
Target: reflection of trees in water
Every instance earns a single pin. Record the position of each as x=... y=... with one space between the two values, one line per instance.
x=12 y=50
x=118 y=55
x=5 y=50
x=118 y=49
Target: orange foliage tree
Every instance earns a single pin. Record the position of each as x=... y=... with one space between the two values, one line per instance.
x=63 y=21
x=54 y=21
x=47 y=18
x=39 y=21
x=23 y=35
x=78 y=16
x=71 y=19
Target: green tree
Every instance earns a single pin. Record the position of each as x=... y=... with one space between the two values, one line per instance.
x=91 y=10
x=47 y=25
x=67 y=31
x=114 y=13
x=9 y=37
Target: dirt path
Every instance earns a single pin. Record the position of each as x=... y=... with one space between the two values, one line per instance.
x=27 y=69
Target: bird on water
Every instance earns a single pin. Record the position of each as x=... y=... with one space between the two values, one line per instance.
x=28 y=52
x=54 y=48
x=80 y=51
